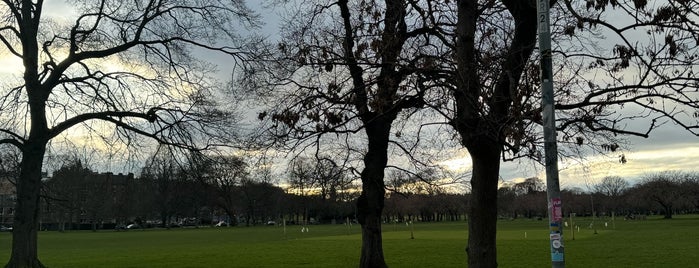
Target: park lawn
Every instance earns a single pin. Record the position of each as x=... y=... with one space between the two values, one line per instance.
x=650 y=243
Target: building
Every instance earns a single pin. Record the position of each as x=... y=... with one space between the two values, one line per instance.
x=86 y=200
x=8 y=196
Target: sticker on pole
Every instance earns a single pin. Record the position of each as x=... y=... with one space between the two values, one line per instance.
x=556 y=247
x=556 y=244
x=557 y=257
x=556 y=211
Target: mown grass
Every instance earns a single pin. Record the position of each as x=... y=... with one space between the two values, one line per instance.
x=650 y=243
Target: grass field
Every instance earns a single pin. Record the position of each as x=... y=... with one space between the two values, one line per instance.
x=650 y=243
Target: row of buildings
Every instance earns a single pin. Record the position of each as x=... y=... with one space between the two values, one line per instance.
x=62 y=206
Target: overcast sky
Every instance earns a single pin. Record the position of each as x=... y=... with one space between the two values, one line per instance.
x=669 y=148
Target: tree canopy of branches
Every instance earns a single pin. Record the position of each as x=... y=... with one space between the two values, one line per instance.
x=318 y=181
x=347 y=67
x=665 y=189
x=601 y=87
x=613 y=186
x=223 y=175
x=395 y=55
x=117 y=69
x=163 y=176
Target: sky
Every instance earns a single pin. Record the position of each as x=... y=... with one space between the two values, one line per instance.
x=668 y=148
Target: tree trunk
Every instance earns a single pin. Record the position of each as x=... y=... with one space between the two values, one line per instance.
x=372 y=244
x=668 y=212
x=164 y=218
x=231 y=217
x=482 y=130
x=26 y=221
x=482 y=218
x=371 y=202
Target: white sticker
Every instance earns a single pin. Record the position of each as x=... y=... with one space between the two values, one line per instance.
x=556 y=243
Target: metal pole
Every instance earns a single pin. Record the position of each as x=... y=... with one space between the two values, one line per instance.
x=551 y=152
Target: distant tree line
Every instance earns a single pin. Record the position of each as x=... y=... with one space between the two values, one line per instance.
x=199 y=190
x=665 y=193
x=206 y=190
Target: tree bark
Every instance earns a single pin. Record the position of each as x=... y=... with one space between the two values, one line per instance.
x=668 y=212
x=26 y=221
x=482 y=130
x=482 y=219
x=371 y=202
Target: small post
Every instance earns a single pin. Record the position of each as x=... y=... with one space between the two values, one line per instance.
x=572 y=224
x=412 y=230
x=553 y=191
x=284 y=225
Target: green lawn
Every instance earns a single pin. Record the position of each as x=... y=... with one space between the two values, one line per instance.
x=650 y=243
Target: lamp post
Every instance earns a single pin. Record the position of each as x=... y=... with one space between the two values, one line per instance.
x=550 y=149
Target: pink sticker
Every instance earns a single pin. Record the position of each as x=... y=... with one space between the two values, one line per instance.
x=556 y=211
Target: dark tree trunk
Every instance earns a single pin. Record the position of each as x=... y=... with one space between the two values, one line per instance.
x=371 y=202
x=165 y=219
x=483 y=209
x=231 y=217
x=668 y=212
x=26 y=221
x=482 y=130
x=377 y=111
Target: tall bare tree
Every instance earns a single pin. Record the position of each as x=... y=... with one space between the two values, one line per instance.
x=351 y=67
x=118 y=69
x=664 y=189
x=483 y=107
x=604 y=90
x=301 y=182
x=163 y=176
x=613 y=186
x=612 y=189
x=223 y=174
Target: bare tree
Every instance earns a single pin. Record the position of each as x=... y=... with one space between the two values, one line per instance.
x=496 y=111
x=223 y=174
x=528 y=186
x=483 y=104
x=162 y=176
x=259 y=200
x=118 y=69
x=664 y=189
x=612 y=188
x=691 y=185
x=301 y=183
x=530 y=197
x=351 y=67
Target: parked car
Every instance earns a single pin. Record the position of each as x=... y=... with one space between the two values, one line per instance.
x=133 y=226
x=5 y=229
x=271 y=223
